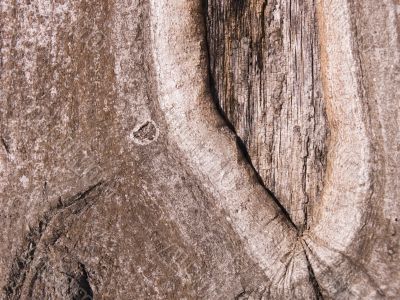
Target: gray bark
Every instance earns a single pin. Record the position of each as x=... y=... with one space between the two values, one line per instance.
x=199 y=150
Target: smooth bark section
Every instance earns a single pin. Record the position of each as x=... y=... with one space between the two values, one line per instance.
x=351 y=225
x=348 y=177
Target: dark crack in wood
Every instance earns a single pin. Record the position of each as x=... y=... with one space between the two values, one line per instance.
x=240 y=143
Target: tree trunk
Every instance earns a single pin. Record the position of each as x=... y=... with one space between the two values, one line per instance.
x=200 y=149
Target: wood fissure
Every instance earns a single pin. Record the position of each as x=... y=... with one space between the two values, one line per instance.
x=274 y=100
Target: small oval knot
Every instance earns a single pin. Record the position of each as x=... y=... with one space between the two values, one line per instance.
x=145 y=133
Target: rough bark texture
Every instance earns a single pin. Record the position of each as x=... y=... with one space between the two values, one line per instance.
x=264 y=58
x=199 y=150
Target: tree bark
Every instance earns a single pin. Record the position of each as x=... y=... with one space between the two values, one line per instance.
x=199 y=149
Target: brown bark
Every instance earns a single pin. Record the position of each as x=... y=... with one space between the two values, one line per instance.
x=179 y=149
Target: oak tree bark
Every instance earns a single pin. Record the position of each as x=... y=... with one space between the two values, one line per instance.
x=236 y=149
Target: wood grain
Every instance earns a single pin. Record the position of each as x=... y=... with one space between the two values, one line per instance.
x=177 y=150
x=265 y=66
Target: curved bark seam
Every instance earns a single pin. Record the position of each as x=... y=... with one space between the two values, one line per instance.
x=204 y=138
x=240 y=143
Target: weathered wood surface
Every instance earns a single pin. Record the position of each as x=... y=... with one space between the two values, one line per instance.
x=122 y=179
x=264 y=58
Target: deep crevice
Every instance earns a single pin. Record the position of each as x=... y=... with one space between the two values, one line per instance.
x=85 y=290
x=241 y=145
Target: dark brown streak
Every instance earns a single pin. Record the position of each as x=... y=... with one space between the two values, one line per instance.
x=260 y=56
